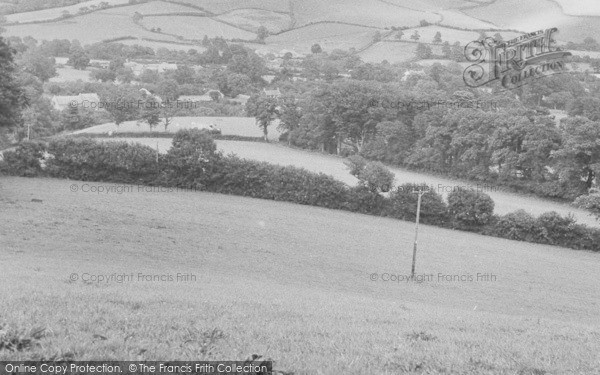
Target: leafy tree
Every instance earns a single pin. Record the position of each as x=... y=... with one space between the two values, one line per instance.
x=12 y=98
x=289 y=116
x=458 y=53
x=446 y=50
x=578 y=159
x=399 y=35
x=415 y=36
x=589 y=202
x=262 y=33
x=104 y=75
x=249 y=64
x=377 y=37
x=470 y=208
x=122 y=103
x=376 y=177
x=423 y=51
x=316 y=48
x=33 y=61
x=498 y=38
x=437 y=39
x=264 y=109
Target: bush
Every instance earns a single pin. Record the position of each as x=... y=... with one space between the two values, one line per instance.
x=192 y=157
x=356 y=164
x=520 y=226
x=364 y=200
x=376 y=177
x=25 y=160
x=470 y=209
x=87 y=159
x=403 y=205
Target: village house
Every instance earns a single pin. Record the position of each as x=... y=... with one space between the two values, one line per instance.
x=207 y=97
x=138 y=68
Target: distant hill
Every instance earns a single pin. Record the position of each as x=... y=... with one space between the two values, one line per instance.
x=297 y=24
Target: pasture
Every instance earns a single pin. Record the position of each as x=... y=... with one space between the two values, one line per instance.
x=308 y=287
x=112 y=22
x=252 y=19
x=329 y=36
x=223 y=6
x=372 y=13
x=240 y=126
x=505 y=201
x=71 y=74
x=190 y=27
x=54 y=13
x=393 y=52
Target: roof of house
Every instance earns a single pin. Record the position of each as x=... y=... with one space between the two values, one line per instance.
x=272 y=92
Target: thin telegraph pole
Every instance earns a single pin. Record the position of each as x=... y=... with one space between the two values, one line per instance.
x=414 y=260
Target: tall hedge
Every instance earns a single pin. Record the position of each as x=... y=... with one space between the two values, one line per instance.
x=193 y=162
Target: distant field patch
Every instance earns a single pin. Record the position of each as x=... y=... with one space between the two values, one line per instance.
x=53 y=13
x=459 y=19
x=156 y=45
x=88 y=28
x=70 y=75
x=240 y=126
x=362 y=12
x=391 y=51
x=222 y=6
x=196 y=27
x=252 y=19
x=580 y=7
x=329 y=36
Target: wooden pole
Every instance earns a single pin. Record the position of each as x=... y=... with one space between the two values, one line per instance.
x=414 y=260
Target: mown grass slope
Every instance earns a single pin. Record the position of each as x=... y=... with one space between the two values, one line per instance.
x=289 y=282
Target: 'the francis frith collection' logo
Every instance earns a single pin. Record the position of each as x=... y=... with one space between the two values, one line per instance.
x=514 y=62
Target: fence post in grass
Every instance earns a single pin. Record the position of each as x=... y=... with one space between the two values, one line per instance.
x=414 y=259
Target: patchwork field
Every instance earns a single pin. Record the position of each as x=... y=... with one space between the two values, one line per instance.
x=306 y=287
x=156 y=45
x=112 y=23
x=363 y=12
x=190 y=27
x=252 y=19
x=53 y=13
x=505 y=201
x=329 y=36
x=538 y=14
x=223 y=6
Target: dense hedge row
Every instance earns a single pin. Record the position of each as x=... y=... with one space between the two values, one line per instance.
x=193 y=162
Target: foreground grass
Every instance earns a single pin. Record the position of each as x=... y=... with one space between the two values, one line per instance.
x=284 y=281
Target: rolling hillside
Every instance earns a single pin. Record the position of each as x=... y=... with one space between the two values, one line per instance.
x=301 y=285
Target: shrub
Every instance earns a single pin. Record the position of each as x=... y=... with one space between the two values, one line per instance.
x=25 y=160
x=364 y=200
x=403 y=204
x=356 y=164
x=470 y=209
x=376 y=177
x=520 y=226
x=87 y=159
x=191 y=158
x=559 y=229
x=589 y=202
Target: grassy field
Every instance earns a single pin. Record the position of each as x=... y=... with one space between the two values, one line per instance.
x=252 y=19
x=505 y=201
x=223 y=6
x=391 y=51
x=191 y=27
x=329 y=36
x=539 y=14
x=304 y=286
x=241 y=126
x=53 y=13
x=70 y=74
x=89 y=28
x=363 y=12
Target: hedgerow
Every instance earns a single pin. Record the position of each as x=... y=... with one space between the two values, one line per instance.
x=193 y=162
